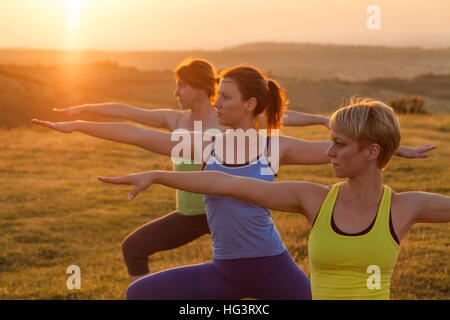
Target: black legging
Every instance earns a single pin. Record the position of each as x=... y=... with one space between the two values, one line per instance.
x=168 y=232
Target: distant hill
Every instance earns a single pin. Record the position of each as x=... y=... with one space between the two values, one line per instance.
x=301 y=61
x=327 y=95
x=28 y=92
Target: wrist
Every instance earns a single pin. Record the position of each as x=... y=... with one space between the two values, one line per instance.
x=399 y=151
x=155 y=176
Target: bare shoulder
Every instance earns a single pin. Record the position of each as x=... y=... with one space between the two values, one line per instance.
x=401 y=199
x=316 y=188
x=312 y=196
x=406 y=205
x=178 y=119
x=416 y=206
x=406 y=199
x=318 y=191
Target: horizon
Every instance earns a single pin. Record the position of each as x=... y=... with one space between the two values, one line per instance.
x=324 y=44
x=93 y=25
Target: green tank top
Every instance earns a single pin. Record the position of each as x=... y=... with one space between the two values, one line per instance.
x=347 y=266
x=189 y=203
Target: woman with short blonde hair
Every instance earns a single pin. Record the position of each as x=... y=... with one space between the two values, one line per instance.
x=356 y=225
x=365 y=121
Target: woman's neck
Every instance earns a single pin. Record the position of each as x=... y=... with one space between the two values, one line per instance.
x=201 y=110
x=366 y=186
x=243 y=124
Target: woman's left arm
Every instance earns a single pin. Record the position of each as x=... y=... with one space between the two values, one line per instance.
x=419 y=207
x=431 y=207
x=297 y=151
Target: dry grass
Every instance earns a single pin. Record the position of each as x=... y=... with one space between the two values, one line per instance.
x=54 y=213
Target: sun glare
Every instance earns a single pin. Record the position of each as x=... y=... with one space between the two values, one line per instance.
x=73 y=14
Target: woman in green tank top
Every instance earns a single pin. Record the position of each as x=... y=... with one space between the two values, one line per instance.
x=357 y=224
x=189 y=203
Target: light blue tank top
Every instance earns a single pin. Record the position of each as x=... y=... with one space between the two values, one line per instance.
x=240 y=229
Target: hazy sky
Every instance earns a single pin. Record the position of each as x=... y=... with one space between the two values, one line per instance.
x=215 y=24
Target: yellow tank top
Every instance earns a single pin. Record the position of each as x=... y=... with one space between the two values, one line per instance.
x=352 y=267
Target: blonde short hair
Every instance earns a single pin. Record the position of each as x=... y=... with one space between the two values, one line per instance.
x=369 y=121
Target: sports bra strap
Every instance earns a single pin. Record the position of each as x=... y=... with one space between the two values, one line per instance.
x=211 y=153
x=266 y=155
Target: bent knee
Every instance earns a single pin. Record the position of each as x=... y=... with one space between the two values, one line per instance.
x=128 y=246
x=140 y=290
x=132 y=292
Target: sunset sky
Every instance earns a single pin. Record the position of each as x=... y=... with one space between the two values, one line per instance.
x=215 y=24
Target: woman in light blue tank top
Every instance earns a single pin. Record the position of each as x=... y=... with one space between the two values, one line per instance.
x=240 y=229
x=249 y=257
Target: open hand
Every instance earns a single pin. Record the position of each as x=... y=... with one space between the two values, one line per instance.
x=65 y=127
x=140 y=181
x=417 y=152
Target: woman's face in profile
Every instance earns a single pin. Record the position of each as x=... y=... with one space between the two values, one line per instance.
x=185 y=94
x=229 y=105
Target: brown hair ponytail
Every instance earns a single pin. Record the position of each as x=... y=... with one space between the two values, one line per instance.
x=275 y=108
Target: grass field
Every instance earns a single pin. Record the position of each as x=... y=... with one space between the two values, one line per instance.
x=54 y=213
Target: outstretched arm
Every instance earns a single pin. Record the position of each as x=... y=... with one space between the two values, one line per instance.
x=288 y=196
x=296 y=119
x=419 y=207
x=297 y=151
x=430 y=207
x=300 y=119
x=160 y=118
x=152 y=140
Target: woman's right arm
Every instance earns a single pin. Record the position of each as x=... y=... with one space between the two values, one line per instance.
x=159 y=118
x=152 y=140
x=288 y=196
